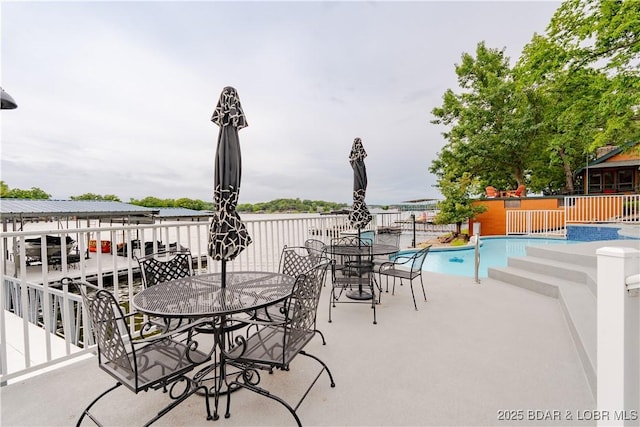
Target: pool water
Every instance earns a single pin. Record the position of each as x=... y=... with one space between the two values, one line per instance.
x=494 y=252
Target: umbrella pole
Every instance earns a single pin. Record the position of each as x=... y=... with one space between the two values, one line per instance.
x=223 y=274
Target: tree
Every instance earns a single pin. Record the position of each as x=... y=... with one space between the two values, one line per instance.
x=194 y=204
x=489 y=133
x=573 y=90
x=91 y=196
x=457 y=207
x=17 y=193
x=584 y=69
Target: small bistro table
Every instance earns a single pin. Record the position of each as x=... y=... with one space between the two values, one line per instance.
x=202 y=296
x=360 y=251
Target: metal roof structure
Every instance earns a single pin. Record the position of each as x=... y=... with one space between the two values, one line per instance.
x=23 y=209
x=183 y=213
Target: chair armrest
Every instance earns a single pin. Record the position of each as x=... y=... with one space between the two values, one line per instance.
x=170 y=334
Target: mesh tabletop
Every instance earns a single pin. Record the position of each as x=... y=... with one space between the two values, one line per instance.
x=203 y=295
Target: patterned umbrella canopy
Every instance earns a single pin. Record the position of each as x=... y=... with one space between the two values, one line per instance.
x=228 y=235
x=359 y=215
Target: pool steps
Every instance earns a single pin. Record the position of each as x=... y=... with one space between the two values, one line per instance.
x=569 y=277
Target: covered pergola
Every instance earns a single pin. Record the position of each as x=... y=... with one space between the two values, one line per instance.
x=17 y=212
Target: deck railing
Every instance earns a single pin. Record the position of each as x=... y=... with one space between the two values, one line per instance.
x=31 y=285
x=623 y=209
x=536 y=222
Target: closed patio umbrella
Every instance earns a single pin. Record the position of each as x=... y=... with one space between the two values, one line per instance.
x=228 y=235
x=6 y=101
x=359 y=215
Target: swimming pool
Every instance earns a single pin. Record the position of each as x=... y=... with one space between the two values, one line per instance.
x=494 y=252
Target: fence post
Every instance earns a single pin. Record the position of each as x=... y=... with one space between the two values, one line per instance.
x=413 y=222
x=618 y=336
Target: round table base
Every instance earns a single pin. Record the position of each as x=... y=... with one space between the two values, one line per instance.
x=359 y=295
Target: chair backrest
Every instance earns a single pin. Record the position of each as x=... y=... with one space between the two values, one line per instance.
x=164 y=266
x=418 y=259
x=316 y=248
x=350 y=241
x=303 y=304
x=295 y=260
x=368 y=236
x=491 y=191
x=390 y=238
x=106 y=318
x=520 y=190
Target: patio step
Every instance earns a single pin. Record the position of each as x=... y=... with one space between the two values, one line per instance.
x=577 y=299
x=558 y=269
x=549 y=252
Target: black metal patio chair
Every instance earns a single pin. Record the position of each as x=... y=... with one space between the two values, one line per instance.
x=276 y=344
x=316 y=248
x=406 y=267
x=293 y=262
x=161 y=267
x=352 y=273
x=164 y=266
x=153 y=363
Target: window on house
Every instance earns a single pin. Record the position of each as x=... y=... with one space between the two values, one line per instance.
x=625 y=180
x=595 y=183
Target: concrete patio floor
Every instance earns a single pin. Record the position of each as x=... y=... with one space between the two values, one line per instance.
x=467 y=356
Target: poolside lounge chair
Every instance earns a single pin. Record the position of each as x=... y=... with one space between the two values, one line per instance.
x=518 y=192
x=491 y=192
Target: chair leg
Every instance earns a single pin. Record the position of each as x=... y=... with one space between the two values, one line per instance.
x=251 y=379
x=332 y=300
x=191 y=389
x=422 y=284
x=373 y=300
x=413 y=295
x=318 y=331
x=379 y=286
x=86 y=411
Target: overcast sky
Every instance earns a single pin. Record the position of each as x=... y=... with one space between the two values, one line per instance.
x=117 y=97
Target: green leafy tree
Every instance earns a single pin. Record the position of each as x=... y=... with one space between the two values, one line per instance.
x=458 y=207
x=490 y=123
x=34 y=193
x=194 y=204
x=585 y=73
x=91 y=196
x=153 y=202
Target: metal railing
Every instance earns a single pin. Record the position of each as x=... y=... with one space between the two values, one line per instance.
x=31 y=284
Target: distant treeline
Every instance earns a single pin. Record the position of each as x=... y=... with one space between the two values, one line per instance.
x=291 y=205
x=278 y=205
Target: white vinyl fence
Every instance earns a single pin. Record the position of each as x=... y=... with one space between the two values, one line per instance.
x=31 y=295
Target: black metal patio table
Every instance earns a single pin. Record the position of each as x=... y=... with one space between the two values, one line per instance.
x=360 y=251
x=202 y=296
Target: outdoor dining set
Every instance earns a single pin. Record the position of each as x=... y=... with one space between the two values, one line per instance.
x=214 y=334
x=255 y=321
